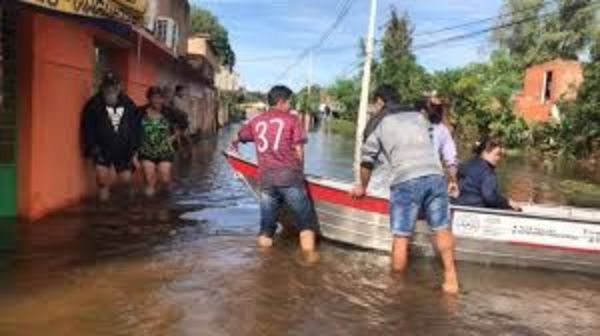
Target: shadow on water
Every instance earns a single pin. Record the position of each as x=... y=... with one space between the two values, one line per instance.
x=186 y=264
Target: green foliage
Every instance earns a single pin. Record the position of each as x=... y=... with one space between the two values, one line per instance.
x=480 y=99
x=253 y=97
x=230 y=101
x=343 y=127
x=346 y=92
x=480 y=96
x=398 y=64
x=203 y=21
x=546 y=29
x=578 y=133
x=308 y=103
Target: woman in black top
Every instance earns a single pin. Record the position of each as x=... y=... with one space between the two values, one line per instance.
x=478 y=182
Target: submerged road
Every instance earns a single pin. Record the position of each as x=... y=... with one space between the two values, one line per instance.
x=187 y=265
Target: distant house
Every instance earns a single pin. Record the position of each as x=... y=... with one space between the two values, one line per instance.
x=544 y=86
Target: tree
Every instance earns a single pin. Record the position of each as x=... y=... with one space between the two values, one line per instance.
x=536 y=31
x=202 y=21
x=398 y=64
x=579 y=130
x=308 y=103
x=480 y=98
x=346 y=93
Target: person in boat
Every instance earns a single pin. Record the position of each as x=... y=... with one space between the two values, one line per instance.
x=418 y=180
x=156 y=152
x=110 y=133
x=279 y=139
x=478 y=182
x=443 y=142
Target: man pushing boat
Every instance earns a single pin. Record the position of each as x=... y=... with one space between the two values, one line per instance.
x=280 y=138
x=404 y=139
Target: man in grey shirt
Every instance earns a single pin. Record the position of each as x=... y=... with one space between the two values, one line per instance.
x=404 y=139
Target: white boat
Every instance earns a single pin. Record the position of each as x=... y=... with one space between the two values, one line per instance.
x=542 y=236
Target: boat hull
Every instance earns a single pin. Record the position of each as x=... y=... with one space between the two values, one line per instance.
x=544 y=238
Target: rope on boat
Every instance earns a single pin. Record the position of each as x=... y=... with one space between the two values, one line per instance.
x=241 y=177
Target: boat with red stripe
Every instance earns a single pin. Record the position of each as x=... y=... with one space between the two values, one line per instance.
x=542 y=236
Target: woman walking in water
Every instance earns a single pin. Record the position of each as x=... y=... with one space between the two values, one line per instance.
x=156 y=152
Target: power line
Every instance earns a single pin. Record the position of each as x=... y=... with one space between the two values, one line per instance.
x=491 y=29
x=431 y=32
x=331 y=50
x=484 y=20
x=466 y=36
x=345 y=9
x=348 y=69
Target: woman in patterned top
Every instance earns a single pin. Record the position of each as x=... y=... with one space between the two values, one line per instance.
x=156 y=152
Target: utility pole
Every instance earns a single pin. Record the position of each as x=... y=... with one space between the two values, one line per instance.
x=309 y=79
x=366 y=81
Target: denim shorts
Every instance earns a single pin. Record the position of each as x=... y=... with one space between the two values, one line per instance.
x=427 y=195
x=297 y=200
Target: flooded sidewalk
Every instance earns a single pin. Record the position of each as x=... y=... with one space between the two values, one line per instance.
x=187 y=265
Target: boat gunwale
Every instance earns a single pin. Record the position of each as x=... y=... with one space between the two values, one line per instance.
x=340 y=185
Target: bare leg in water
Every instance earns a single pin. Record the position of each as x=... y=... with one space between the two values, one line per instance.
x=444 y=241
x=399 y=254
x=149 y=169
x=104 y=180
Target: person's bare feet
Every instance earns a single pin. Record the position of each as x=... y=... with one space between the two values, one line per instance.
x=307 y=240
x=450 y=285
x=264 y=241
x=308 y=258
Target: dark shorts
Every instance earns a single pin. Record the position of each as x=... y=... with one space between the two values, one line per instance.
x=120 y=163
x=272 y=199
x=426 y=195
x=158 y=159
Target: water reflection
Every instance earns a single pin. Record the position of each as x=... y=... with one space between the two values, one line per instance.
x=136 y=268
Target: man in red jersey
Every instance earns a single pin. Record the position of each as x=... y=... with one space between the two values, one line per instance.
x=279 y=139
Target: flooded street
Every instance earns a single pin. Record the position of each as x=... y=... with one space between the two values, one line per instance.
x=188 y=265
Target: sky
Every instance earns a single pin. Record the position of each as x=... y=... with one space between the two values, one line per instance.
x=269 y=35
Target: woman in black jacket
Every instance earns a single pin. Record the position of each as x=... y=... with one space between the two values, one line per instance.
x=478 y=182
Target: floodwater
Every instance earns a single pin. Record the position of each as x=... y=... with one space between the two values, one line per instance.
x=187 y=265
x=523 y=178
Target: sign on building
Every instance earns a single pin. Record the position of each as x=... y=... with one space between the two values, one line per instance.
x=123 y=10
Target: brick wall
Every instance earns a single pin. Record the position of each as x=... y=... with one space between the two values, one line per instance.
x=567 y=76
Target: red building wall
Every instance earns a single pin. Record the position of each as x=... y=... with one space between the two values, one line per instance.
x=567 y=76
x=55 y=75
x=59 y=55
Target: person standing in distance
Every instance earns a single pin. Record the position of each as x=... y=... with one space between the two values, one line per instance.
x=279 y=139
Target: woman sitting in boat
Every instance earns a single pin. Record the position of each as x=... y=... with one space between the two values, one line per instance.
x=477 y=178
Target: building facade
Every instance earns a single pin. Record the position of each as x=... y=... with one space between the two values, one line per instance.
x=227 y=80
x=169 y=20
x=8 y=110
x=544 y=86
x=55 y=59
